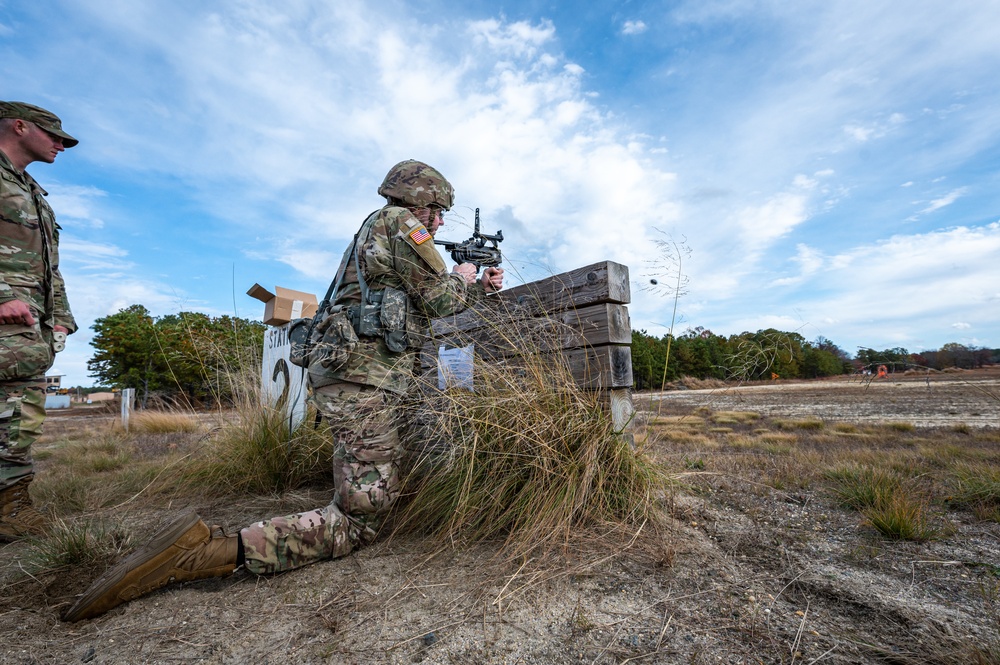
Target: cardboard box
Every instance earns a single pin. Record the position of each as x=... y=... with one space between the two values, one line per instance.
x=284 y=304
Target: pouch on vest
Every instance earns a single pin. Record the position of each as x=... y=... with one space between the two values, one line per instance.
x=328 y=343
x=337 y=341
x=298 y=338
x=395 y=306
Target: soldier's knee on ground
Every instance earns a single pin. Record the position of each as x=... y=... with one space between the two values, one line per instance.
x=285 y=543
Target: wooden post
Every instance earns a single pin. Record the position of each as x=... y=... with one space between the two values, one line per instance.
x=128 y=405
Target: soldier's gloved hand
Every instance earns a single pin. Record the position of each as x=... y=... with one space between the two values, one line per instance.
x=492 y=279
x=16 y=312
x=467 y=271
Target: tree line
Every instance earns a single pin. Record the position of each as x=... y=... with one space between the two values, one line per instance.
x=775 y=354
x=189 y=357
x=192 y=357
x=701 y=354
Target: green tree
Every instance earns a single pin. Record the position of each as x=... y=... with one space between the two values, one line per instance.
x=818 y=362
x=127 y=352
x=895 y=359
x=176 y=356
x=765 y=354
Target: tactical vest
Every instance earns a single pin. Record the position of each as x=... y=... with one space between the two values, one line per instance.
x=324 y=343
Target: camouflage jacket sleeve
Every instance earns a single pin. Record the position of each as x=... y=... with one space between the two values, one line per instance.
x=401 y=254
x=60 y=310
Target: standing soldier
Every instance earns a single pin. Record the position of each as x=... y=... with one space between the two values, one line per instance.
x=33 y=307
x=390 y=280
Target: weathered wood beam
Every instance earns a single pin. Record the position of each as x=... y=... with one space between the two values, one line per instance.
x=498 y=333
x=594 y=368
x=604 y=282
x=618 y=402
x=603 y=367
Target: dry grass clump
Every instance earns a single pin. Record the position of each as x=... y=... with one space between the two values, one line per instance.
x=161 y=422
x=902 y=516
x=901 y=426
x=691 y=383
x=862 y=487
x=100 y=470
x=528 y=458
x=845 y=428
x=256 y=452
x=734 y=417
x=807 y=424
x=888 y=495
x=77 y=543
x=977 y=487
x=689 y=421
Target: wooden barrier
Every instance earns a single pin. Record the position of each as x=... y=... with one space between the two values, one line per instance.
x=581 y=314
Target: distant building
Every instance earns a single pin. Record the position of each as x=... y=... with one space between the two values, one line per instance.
x=53 y=383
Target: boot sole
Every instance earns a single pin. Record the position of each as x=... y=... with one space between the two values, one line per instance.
x=167 y=536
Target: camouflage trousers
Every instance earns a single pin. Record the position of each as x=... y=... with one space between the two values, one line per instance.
x=22 y=412
x=364 y=424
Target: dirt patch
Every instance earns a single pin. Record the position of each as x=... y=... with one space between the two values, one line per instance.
x=751 y=564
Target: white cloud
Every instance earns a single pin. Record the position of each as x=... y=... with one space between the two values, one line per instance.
x=809 y=262
x=932 y=278
x=961 y=325
x=804 y=182
x=77 y=203
x=775 y=218
x=521 y=39
x=76 y=254
x=860 y=134
x=944 y=201
x=633 y=28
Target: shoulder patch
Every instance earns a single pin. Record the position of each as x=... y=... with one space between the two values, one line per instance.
x=420 y=235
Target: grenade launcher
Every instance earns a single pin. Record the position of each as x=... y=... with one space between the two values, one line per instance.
x=475 y=250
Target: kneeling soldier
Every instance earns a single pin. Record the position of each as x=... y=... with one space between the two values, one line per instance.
x=358 y=372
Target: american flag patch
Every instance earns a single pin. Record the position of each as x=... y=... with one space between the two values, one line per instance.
x=420 y=235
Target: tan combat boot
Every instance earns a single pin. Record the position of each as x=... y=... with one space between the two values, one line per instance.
x=184 y=550
x=18 y=518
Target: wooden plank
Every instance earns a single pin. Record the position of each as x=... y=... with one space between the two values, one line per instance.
x=602 y=282
x=606 y=323
x=602 y=367
x=500 y=335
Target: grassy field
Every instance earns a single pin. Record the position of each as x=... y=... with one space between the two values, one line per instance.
x=771 y=539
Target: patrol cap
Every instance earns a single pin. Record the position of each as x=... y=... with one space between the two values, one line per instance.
x=50 y=122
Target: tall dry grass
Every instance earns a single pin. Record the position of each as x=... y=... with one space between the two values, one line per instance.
x=255 y=450
x=526 y=459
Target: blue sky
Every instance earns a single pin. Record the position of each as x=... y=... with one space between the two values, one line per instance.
x=832 y=167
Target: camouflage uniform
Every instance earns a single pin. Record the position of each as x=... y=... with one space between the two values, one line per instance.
x=359 y=386
x=362 y=398
x=29 y=272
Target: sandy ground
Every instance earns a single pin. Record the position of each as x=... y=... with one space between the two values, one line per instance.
x=736 y=573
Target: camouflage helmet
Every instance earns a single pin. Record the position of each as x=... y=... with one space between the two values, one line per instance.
x=417 y=184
